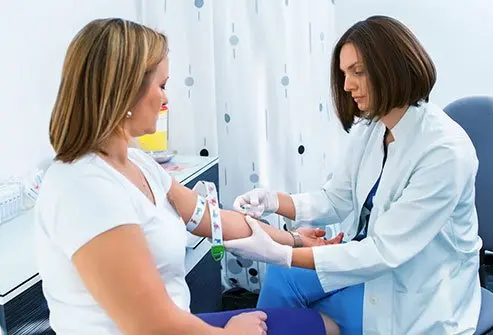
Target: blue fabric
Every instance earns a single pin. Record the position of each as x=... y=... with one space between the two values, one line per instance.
x=368 y=205
x=366 y=211
x=486 y=314
x=300 y=288
x=280 y=321
x=475 y=115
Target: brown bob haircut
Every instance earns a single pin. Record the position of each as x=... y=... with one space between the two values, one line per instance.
x=108 y=68
x=399 y=70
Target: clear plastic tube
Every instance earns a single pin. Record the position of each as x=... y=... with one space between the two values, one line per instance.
x=11 y=199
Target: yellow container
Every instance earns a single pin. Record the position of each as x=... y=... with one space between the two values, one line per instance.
x=159 y=140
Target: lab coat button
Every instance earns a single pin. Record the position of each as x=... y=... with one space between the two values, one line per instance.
x=373 y=300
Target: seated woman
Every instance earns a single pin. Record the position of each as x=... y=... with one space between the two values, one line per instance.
x=408 y=178
x=110 y=222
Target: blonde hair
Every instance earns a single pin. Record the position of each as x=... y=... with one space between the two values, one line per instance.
x=107 y=70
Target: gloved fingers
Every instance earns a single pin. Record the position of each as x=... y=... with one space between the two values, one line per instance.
x=254 y=211
x=233 y=245
x=239 y=204
x=254 y=199
x=252 y=223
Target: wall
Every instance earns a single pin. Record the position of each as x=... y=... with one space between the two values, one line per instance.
x=34 y=36
x=189 y=26
x=457 y=34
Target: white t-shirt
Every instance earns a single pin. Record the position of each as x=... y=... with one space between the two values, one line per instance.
x=81 y=200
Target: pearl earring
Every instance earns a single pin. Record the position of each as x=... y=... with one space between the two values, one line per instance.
x=129 y=115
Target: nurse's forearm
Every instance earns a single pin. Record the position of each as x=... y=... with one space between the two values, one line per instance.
x=286 y=206
x=303 y=258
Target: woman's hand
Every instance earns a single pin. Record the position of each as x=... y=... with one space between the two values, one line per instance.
x=252 y=323
x=313 y=237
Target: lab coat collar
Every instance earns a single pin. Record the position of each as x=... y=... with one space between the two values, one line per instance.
x=407 y=124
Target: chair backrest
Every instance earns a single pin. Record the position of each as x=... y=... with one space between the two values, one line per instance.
x=475 y=115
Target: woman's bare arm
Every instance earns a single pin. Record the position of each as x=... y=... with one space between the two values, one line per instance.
x=233 y=223
x=118 y=270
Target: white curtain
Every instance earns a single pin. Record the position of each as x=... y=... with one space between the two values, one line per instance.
x=249 y=81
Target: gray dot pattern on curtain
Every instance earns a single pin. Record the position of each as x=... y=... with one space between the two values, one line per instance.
x=245 y=87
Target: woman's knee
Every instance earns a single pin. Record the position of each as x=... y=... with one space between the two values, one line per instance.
x=276 y=279
x=276 y=289
x=294 y=287
x=276 y=273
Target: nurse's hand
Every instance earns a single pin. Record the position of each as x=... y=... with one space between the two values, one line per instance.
x=260 y=247
x=313 y=237
x=252 y=323
x=257 y=203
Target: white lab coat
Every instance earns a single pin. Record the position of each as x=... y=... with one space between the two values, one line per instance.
x=420 y=259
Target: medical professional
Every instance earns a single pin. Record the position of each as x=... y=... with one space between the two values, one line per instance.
x=411 y=263
x=111 y=223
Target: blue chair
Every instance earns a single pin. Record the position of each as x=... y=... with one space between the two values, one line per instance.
x=475 y=115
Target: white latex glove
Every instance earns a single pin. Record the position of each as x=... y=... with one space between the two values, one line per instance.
x=260 y=247
x=257 y=203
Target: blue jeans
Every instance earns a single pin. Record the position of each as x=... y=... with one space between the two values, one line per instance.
x=300 y=288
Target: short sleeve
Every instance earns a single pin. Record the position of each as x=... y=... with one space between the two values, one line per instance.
x=87 y=208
